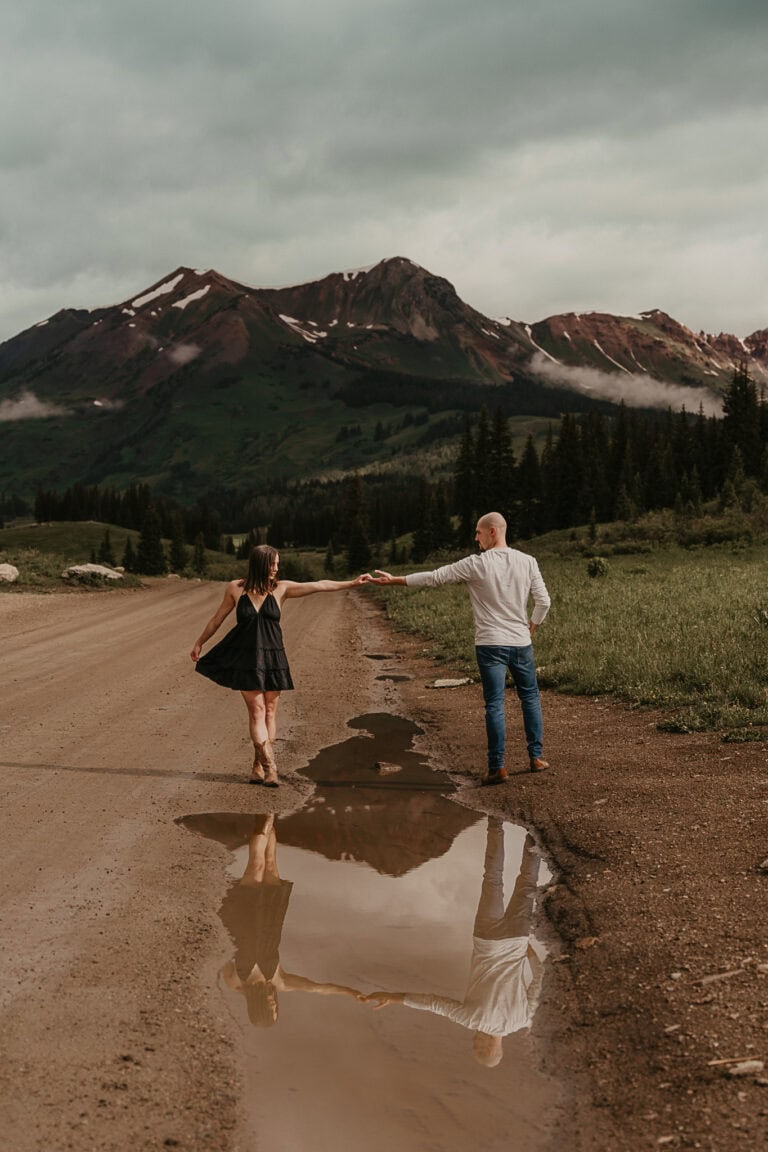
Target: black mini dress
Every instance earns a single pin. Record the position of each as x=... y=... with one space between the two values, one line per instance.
x=251 y=657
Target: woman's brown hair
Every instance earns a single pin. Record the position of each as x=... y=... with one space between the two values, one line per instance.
x=261 y=560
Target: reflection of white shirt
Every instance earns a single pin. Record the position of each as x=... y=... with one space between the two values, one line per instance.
x=497 y=997
x=500 y=581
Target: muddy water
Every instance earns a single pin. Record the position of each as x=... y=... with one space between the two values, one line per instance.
x=381 y=886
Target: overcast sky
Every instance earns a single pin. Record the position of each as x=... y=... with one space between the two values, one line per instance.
x=543 y=155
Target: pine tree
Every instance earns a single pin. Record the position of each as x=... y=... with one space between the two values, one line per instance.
x=150 y=556
x=424 y=536
x=328 y=565
x=394 y=555
x=464 y=485
x=179 y=556
x=528 y=491
x=742 y=419
x=500 y=468
x=199 y=558
x=483 y=492
x=106 y=554
x=129 y=555
x=358 y=547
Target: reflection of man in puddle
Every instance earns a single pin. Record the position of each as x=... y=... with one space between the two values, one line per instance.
x=253 y=912
x=505 y=971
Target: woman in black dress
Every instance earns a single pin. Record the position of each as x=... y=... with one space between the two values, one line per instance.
x=251 y=658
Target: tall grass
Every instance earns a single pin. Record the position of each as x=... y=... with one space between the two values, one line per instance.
x=673 y=629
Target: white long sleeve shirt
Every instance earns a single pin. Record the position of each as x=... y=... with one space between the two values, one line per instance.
x=501 y=581
x=496 y=1001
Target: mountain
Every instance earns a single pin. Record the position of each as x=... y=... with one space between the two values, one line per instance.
x=651 y=343
x=199 y=380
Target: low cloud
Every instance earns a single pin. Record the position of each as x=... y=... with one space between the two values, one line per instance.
x=183 y=353
x=27 y=407
x=636 y=390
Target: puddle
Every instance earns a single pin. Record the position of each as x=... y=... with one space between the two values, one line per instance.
x=395 y=677
x=379 y=656
x=379 y=887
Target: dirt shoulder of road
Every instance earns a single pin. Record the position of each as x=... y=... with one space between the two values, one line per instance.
x=660 y=972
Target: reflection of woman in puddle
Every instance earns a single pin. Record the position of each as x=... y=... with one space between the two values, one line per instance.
x=505 y=971
x=253 y=912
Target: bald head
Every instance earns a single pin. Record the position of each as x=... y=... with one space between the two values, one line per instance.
x=491 y=531
x=487 y=1050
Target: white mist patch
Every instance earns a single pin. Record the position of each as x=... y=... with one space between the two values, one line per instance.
x=637 y=390
x=28 y=407
x=183 y=353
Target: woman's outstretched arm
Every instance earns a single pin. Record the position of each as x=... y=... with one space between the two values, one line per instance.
x=220 y=615
x=293 y=588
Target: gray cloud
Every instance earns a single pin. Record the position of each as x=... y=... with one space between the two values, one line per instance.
x=27 y=407
x=595 y=154
x=183 y=353
x=637 y=390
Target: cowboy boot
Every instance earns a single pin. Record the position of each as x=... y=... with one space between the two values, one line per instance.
x=267 y=761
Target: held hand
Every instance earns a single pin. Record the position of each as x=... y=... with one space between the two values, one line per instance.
x=383 y=577
x=379 y=999
x=363 y=578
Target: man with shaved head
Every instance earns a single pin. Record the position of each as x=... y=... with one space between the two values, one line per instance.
x=501 y=581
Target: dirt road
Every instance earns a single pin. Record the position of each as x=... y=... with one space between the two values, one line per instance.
x=114 y=1034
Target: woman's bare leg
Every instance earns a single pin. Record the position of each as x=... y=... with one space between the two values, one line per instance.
x=257 y=727
x=271 y=701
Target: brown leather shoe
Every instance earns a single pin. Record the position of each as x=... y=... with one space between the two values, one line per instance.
x=539 y=765
x=498 y=777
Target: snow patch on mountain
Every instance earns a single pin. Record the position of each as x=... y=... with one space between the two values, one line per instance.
x=353 y=273
x=543 y=351
x=192 y=296
x=297 y=326
x=603 y=352
x=163 y=290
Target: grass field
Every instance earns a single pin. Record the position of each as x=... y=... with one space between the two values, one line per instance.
x=686 y=631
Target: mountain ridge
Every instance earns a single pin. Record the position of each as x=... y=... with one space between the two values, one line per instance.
x=201 y=379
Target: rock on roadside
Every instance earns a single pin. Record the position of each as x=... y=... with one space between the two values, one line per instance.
x=90 y=572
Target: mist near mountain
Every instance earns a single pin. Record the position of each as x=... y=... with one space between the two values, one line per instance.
x=27 y=406
x=637 y=390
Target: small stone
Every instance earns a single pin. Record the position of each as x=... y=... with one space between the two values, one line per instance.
x=586 y=942
x=450 y=682
x=764 y=866
x=9 y=573
x=385 y=769
x=746 y=1068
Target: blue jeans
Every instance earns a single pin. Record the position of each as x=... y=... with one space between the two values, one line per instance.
x=493 y=661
